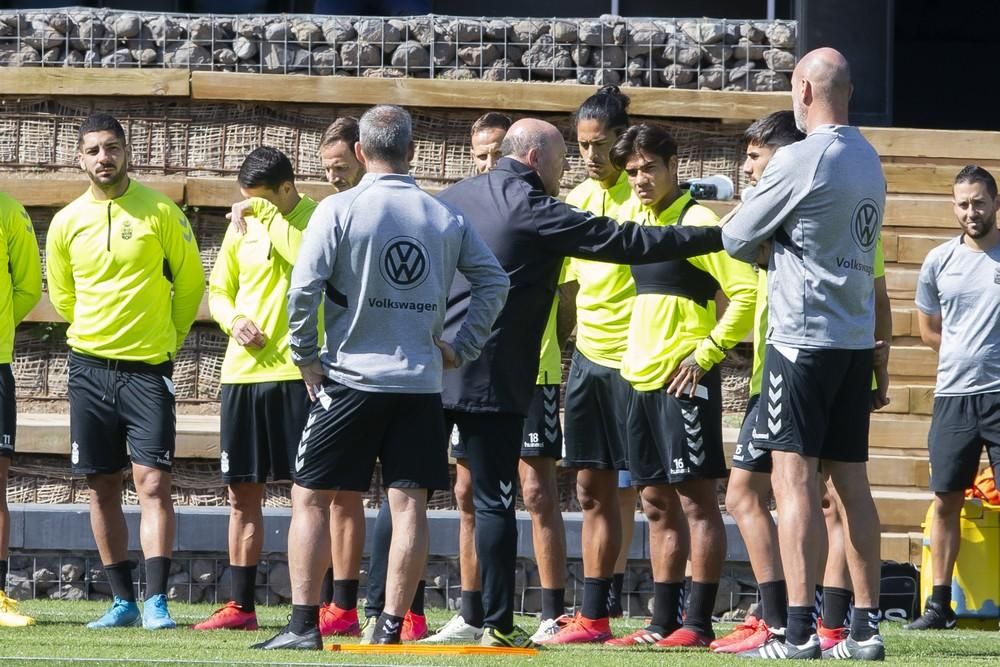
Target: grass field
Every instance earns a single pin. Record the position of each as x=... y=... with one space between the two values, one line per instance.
x=61 y=639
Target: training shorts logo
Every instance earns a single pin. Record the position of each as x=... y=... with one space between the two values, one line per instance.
x=74 y=454
x=865 y=224
x=404 y=262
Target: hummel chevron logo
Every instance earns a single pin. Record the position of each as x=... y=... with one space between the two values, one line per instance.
x=754 y=452
x=774 y=403
x=774 y=409
x=550 y=435
x=695 y=444
x=775 y=380
x=690 y=416
x=551 y=420
x=773 y=426
x=697 y=460
x=506 y=497
x=505 y=488
x=692 y=430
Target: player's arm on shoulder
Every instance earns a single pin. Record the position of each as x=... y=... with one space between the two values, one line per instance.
x=312 y=269
x=25 y=263
x=285 y=237
x=59 y=269
x=488 y=292
x=181 y=252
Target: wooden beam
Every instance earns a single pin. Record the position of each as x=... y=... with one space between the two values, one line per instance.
x=899 y=431
x=921 y=399
x=913 y=248
x=913 y=360
x=44 y=312
x=500 y=95
x=907 y=142
x=919 y=178
x=154 y=81
x=223 y=192
x=60 y=189
x=901 y=281
x=44 y=433
x=920 y=211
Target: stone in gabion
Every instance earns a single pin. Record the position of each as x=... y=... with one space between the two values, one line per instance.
x=717 y=54
x=61 y=23
x=581 y=55
x=465 y=31
x=777 y=59
x=770 y=81
x=412 y=54
x=711 y=78
x=337 y=30
x=752 y=33
x=187 y=54
x=6 y=30
x=677 y=75
x=245 y=48
x=647 y=33
x=458 y=74
x=42 y=36
x=281 y=58
x=307 y=34
x=164 y=30
x=325 y=60
x=74 y=591
x=280 y=582
x=44 y=579
x=592 y=33
x=704 y=32
x=203 y=570
x=148 y=55
x=504 y=69
x=610 y=57
x=279 y=31
x=740 y=75
x=72 y=570
x=384 y=73
x=548 y=60
x=636 y=67
x=476 y=56
x=747 y=50
x=52 y=56
x=682 y=51
x=529 y=31
x=498 y=30
x=126 y=25
x=251 y=29
x=443 y=53
x=619 y=34
x=360 y=54
x=597 y=77
x=92 y=59
x=781 y=35
x=564 y=32
x=73 y=58
x=376 y=31
x=205 y=31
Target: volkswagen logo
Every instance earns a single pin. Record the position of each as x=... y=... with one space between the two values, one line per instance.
x=865 y=224
x=404 y=262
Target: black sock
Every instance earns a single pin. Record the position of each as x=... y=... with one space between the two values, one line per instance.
x=387 y=625
x=157 y=571
x=244 y=579
x=615 y=594
x=595 y=597
x=864 y=623
x=687 y=588
x=700 y=605
x=836 y=602
x=801 y=625
x=774 y=600
x=345 y=593
x=120 y=578
x=326 y=588
x=818 y=601
x=3 y=576
x=472 y=608
x=941 y=595
x=553 y=603
x=417 y=606
x=305 y=618
x=668 y=600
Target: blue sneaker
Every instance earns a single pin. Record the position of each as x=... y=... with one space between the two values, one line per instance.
x=123 y=614
x=155 y=615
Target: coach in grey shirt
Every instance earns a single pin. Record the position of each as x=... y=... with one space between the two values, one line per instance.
x=384 y=254
x=821 y=202
x=958 y=298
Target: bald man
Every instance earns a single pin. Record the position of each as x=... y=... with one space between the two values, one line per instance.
x=821 y=202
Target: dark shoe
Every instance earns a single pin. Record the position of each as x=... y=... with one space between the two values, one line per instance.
x=935 y=617
x=286 y=639
x=851 y=649
x=386 y=639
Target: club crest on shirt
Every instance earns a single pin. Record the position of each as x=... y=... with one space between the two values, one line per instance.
x=126 y=230
x=996 y=275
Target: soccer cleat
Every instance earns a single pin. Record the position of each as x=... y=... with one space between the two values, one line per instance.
x=779 y=649
x=741 y=632
x=516 y=638
x=872 y=648
x=155 y=615
x=935 y=617
x=641 y=637
x=761 y=636
x=549 y=627
x=10 y=617
x=229 y=617
x=414 y=627
x=286 y=639
x=368 y=629
x=582 y=630
x=334 y=621
x=685 y=638
x=123 y=614
x=456 y=630
x=830 y=637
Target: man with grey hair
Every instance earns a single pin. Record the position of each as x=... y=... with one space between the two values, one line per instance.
x=382 y=256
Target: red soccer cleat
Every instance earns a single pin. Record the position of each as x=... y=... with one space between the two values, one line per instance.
x=414 y=627
x=582 y=630
x=750 y=640
x=642 y=637
x=684 y=638
x=830 y=637
x=229 y=617
x=745 y=629
x=337 y=622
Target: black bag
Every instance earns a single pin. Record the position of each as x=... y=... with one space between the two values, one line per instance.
x=899 y=592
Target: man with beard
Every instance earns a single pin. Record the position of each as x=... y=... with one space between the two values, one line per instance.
x=336 y=153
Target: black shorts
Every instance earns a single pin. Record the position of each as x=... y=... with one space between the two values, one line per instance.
x=261 y=427
x=816 y=403
x=746 y=456
x=960 y=427
x=8 y=411
x=672 y=440
x=597 y=398
x=349 y=430
x=542 y=432
x=120 y=411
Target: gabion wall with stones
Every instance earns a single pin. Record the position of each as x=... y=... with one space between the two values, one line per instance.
x=711 y=54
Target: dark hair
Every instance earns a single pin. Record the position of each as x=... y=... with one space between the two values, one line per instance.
x=265 y=166
x=492 y=120
x=777 y=129
x=344 y=129
x=973 y=173
x=608 y=106
x=101 y=122
x=645 y=138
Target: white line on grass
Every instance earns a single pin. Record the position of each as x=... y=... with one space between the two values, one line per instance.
x=176 y=661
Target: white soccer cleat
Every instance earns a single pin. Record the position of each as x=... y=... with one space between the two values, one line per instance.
x=455 y=631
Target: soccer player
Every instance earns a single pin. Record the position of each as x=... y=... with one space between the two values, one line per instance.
x=674 y=416
x=336 y=153
x=541 y=447
x=821 y=200
x=264 y=401
x=20 y=290
x=124 y=271
x=958 y=304
x=382 y=257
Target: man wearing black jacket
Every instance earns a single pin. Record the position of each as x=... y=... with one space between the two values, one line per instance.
x=514 y=210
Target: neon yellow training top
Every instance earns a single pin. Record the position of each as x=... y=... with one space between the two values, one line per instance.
x=125 y=273
x=550 y=360
x=607 y=292
x=250 y=279
x=666 y=328
x=21 y=284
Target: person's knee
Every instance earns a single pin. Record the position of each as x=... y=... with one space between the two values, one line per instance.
x=106 y=488
x=246 y=498
x=594 y=490
x=464 y=495
x=744 y=503
x=949 y=505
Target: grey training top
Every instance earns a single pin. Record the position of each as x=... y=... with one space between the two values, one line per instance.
x=962 y=285
x=822 y=200
x=385 y=253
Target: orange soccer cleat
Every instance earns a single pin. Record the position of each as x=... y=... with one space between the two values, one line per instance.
x=334 y=621
x=229 y=617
